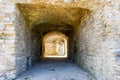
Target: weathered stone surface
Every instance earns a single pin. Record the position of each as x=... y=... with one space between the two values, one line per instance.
x=96 y=26
x=97 y=38
x=36 y=14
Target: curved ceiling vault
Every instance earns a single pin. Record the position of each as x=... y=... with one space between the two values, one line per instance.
x=36 y=14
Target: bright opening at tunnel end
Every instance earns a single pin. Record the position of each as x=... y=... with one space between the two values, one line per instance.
x=55 y=45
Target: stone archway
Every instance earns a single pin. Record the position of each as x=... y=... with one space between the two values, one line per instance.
x=96 y=35
x=55 y=45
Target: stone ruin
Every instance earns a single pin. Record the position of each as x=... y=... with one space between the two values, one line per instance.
x=92 y=26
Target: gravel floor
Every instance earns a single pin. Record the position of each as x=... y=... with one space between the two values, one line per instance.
x=55 y=70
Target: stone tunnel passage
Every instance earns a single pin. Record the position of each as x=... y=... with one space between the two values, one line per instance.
x=55 y=45
x=55 y=70
x=36 y=21
x=92 y=26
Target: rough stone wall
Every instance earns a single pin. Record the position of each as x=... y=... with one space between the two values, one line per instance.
x=36 y=47
x=111 y=38
x=20 y=45
x=17 y=42
x=98 y=42
x=28 y=44
x=97 y=38
x=7 y=41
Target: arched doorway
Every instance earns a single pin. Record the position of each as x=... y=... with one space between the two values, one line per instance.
x=55 y=45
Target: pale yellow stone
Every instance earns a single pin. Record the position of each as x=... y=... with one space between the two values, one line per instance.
x=9 y=24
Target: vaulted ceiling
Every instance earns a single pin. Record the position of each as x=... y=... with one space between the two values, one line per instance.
x=42 y=13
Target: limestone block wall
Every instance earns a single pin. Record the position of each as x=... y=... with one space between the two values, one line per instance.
x=111 y=37
x=23 y=42
x=36 y=47
x=7 y=41
x=98 y=42
x=97 y=38
x=27 y=46
x=17 y=42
